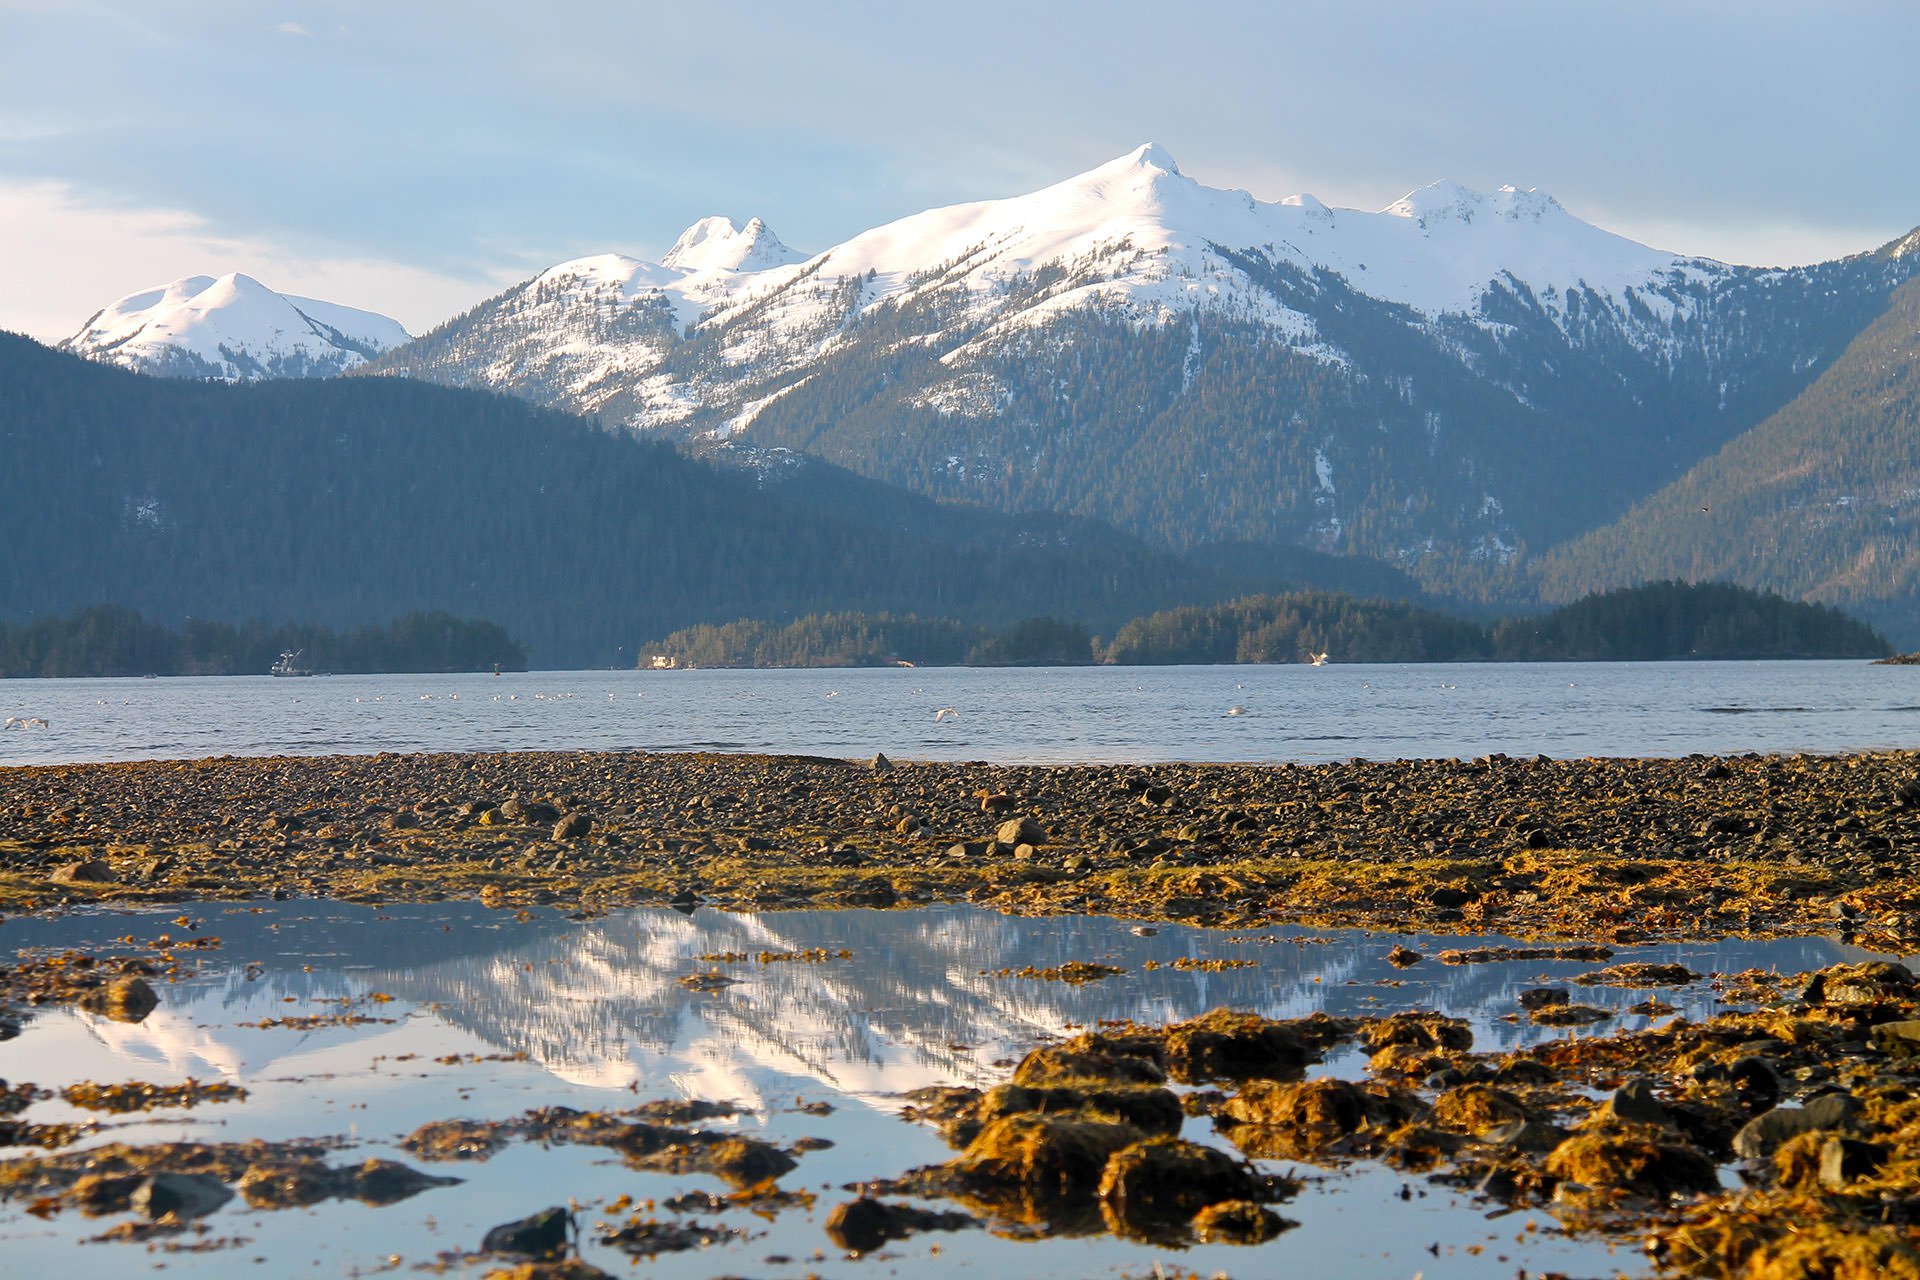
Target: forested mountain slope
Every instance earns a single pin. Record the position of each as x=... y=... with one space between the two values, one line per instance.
x=1819 y=502
x=346 y=502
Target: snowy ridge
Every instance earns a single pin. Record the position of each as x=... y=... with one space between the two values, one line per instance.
x=235 y=329
x=1134 y=240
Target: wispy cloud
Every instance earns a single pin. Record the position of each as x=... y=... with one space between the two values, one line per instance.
x=292 y=29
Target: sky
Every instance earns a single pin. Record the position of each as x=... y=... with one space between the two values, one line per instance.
x=414 y=158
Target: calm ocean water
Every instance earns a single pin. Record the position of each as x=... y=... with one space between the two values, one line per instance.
x=1088 y=714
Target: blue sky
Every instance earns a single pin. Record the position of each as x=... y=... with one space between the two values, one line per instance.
x=414 y=157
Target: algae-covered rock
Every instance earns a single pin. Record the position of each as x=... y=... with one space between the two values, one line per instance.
x=1475 y=1108
x=1304 y=1120
x=1163 y=1181
x=1150 y=1110
x=1225 y=1045
x=1041 y=1157
x=1095 y=1057
x=1854 y=985
x=1417 y=1030
x=1828 y=1252
x=1631 y=1161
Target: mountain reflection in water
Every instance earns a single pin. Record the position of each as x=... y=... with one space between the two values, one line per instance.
x=598 y=1010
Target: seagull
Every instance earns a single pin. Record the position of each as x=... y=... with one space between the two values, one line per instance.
x=1236 y=710
x=945 y=713
x=1317 y=659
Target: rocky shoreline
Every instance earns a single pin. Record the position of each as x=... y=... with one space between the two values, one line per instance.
x=1803 y=1086
x=1599 y=849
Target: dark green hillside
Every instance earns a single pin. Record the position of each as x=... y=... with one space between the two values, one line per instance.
x=1819 y=502
x=1295 y=626
x=107 y=640
x=350 y=502
x=1663 y=620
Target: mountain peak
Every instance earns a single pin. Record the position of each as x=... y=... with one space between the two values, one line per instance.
x=1446 y=201
x=716 y=244
x=1151 y=155
x=234 y=328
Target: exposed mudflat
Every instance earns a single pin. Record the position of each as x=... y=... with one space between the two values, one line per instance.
x=1599 y=849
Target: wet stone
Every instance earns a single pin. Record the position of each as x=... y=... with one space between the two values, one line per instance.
x=1764 y=1134
x=1636 y=1103
x=539 y=1235
x=180 y=1195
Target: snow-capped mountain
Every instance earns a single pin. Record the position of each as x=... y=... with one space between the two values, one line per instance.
x=234 y=329
x=1441 y=383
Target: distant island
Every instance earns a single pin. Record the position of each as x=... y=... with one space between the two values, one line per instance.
x=1653 y=622
x=110 y=641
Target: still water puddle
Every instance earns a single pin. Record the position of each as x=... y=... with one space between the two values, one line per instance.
x=482 y=1014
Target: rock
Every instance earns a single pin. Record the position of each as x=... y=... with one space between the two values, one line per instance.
x=1223 y=1044
x=1401 y=957
x=1151 y=1110
x=91 y=871
x=881 y=764
x=1761 y=1136
x=1165 y=1181
x=1847 y=1160
x=123 y=1000
x=1041 y=1158
x=540 y=1235
x=1860 y=984
x=1635 y=1103
x=1625 y=1162
x=1531 y=1136
x=1898 y=1039
x=1092 y=1059
x=574 y=826
x=1019 y=831
x=994 y=801
x=183 y=1195
x=1639 y=974
x=1541 y=997
x=1336 y=1106
x=863 y=1225
x=1446 y=896
x=1475 y=1108
x=1570 y=1015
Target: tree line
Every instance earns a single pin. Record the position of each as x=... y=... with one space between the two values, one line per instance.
x=107 y=640
x=1656 y=621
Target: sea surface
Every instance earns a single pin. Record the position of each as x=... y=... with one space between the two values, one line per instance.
x=484 y=1014
x=1036 y=715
